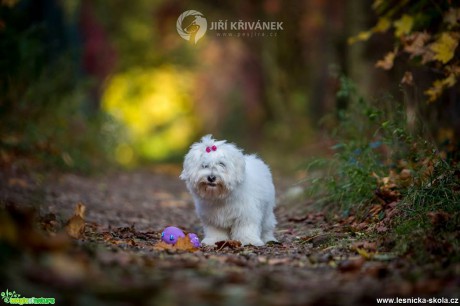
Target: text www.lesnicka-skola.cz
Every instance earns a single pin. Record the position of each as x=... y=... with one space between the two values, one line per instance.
x=418 y=300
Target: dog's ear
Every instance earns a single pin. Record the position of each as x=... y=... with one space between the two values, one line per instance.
x=191 y=161
x=240 y=165
x=237 y=161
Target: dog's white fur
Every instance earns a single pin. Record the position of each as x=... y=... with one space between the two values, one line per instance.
x=239 y=204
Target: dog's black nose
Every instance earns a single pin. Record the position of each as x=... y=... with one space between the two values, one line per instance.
x=211 y=178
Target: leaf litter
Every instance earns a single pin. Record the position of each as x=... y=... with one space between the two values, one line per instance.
x=100 y=255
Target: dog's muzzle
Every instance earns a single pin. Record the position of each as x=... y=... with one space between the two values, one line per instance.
x=212 y=187
x=212 y=180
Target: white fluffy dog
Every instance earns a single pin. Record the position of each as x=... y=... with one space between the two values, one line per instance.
x=233 y=193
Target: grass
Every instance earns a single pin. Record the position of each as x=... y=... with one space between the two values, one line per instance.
x=375 y=151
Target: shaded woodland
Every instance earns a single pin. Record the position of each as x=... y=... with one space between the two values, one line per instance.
x=353 y=104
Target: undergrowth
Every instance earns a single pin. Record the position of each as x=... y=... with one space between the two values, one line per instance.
x=391 y=178
x=46 y=118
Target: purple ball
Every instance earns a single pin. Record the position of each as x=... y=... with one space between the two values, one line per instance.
x=171 y=233
x=194 y=240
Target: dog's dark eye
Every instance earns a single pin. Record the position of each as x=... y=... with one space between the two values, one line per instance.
x=204 y=166
x=222 y=164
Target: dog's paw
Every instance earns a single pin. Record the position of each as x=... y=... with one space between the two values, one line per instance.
x=270 y=238
x=210 y=240
x=253 y=241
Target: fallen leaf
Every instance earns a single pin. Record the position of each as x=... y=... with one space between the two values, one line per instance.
x=378 y=271
x=351 y=265
x=17 y=182
x=405 y=174
x=438 y=218
x=75 y=227
x=161 y=245
x=182 y=244
x=278 y=261
x=232 y=244
x=366 y=245
x=364 y=253
x=381 y=229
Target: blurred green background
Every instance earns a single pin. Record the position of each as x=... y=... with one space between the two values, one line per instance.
x=86 y=82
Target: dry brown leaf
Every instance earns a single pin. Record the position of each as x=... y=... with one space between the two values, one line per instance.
x=75 y=227
x=438 y=218
x=408 y=78
x=387 y=62
x=232 y=244
x=381 y=229
x=13 y=182
x=415 y=43
x=366 y=245
x=351 y=265
x=182 y=244
x=278 y=261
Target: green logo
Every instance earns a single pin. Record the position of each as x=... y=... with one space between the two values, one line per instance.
x=11 y=297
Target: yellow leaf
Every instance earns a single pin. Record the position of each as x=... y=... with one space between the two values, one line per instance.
x=444 y=47
x=452 y=17
x=182 y=244
x=363 y=253
x=387 y=62
x=450 y=80
x=404 y=25
x=437 y=88
x=434 y=91
x=363 y=36
x=382 y=25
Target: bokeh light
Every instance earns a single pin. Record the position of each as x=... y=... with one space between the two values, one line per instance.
x=155 y=107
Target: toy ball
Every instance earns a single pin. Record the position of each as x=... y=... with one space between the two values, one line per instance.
x=194 y=240
x=171 y=233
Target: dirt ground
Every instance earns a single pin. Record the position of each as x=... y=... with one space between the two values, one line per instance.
x=318 y=260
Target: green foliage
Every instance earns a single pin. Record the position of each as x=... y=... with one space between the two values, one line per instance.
x=49 y=125
x=377 y=161
x=45 y=115
x=368 y=139
x=429 y=222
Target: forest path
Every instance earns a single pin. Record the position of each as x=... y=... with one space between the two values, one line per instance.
x=318 y=261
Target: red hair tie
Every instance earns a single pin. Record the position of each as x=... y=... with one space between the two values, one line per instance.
x=213 y=148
